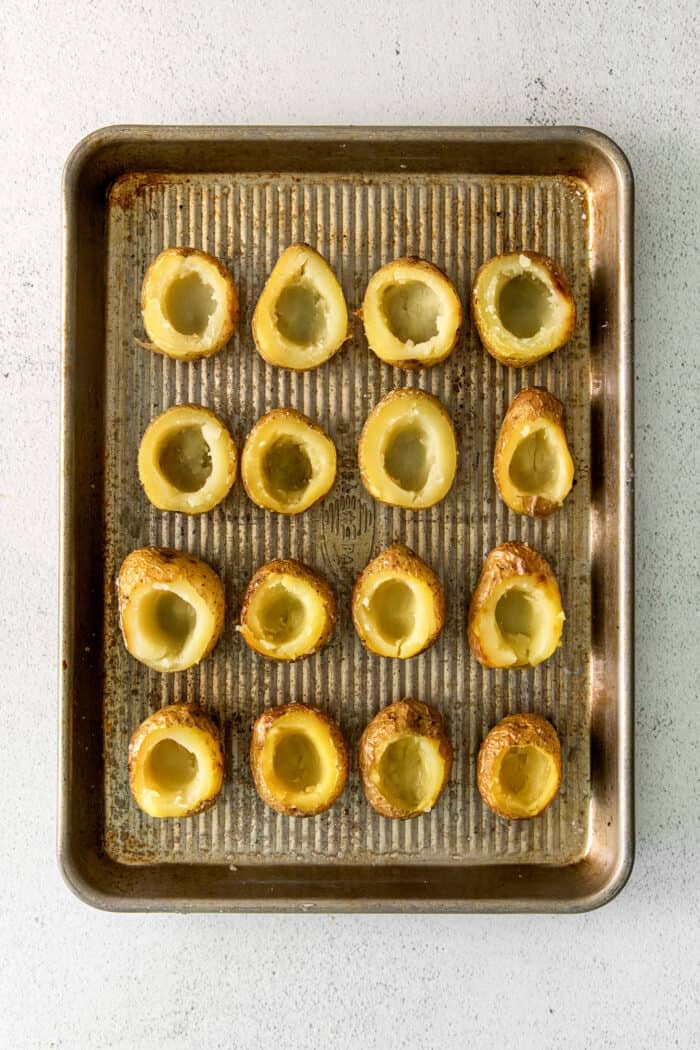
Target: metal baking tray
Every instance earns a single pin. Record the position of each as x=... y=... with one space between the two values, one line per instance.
x=362 y=196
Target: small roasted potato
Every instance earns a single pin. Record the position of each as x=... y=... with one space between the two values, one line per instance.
x=288 y=611
x=288 y=462
x=405 y=759
x=176 y=762
x=532 y=465
x=187 y=460
x=411 y=313
x=301 y=317
x=522 y=307
x=515 y=617
x=518 y=770
x=299 y=759
x=398 y=604
x=189 y=304
x=408 y=450
x=171 y=607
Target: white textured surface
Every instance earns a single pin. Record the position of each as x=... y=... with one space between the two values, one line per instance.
x=627 y=975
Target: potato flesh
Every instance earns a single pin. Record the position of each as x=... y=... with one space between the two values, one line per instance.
x=300 y=313
x=166 y=621
x=281 y=615
x=296 y=761
x=169 y=767
x=534 y=467
x=392 y=610
x=526 y=779
x=411 y=310
x=410 y=772
x=516 y=621
x=406 y=457
x=184 y=459
x=188 y=304
x=524 y=306
x=287 y=469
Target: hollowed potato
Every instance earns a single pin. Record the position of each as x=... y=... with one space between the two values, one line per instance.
x=408 y=450
x=398 y=604
x=411 y=313
x=288 y=462
x=515 y=616
x=532 y=464
x=405 y=759
x=522 y=307
x=519 y=766
x=299 y=759
x=301 y=318
x=176 y=762
x=288 y=611
x=189 y=304
x=171 y=608
x=187 y=460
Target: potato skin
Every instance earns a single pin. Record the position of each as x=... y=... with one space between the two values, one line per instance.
x=165 y=565
x=401 y=559
x=504 y=562
x=290 y=567
x=189 y=716
x=515 y=731
x=530 y=405
x=480 y=320
x=403 y=716
x=261 y=727
x=232 y=308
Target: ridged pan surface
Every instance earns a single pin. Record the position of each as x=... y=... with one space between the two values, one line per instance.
x=358 y=223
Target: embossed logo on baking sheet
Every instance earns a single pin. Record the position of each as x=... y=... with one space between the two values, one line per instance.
x=348 y=533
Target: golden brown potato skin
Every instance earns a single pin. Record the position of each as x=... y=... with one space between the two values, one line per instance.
x=532 y=404
x=401 y=559
x=232 y=304
x=178 y=715
x=165 y=565
x=515 y=731
x=507 y=560
x=263 y=724
x=403 y=716
x=291 y=567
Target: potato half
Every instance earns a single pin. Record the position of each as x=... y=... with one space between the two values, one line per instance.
x=518 y=770
x=176 y=762
x=171 y=608
x=301 y=318
x=299 y=760
x=408 y=450
x=522 y=307
x=288 y=462
x=288 y=611
x=187 y=460
x=189 y=304
x=411 y=314
x=405 y=759
x=515 y=616
x=532 y=463
x=398 y=604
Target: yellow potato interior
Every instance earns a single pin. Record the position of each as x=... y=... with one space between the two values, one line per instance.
x=410 y=772
x=296 y=761
x=301 y=314
x=282 y=614
x=166 y=620
x=406 y=457
x=526 y=776
x=524 y=306
x=169 y=767
x=184 y=459
x=189 y=303
x=411 y=310
x=515 y=620
x=287 y=469
x=534 y=467
x=392 y=610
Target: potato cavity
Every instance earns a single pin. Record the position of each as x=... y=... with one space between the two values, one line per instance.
x=288 y=462
x=189 y=304
x=408 y=450
x=301 y=318
x=411 y=313
x=519 y=766
x=410 y=772
x=288 y=611
x=187 y=460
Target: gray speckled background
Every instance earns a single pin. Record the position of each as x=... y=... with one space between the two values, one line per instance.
x=627 y=975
